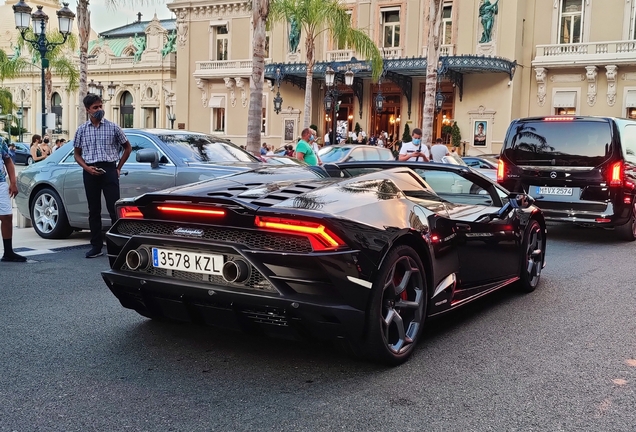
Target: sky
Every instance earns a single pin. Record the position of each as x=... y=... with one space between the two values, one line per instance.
x=105 y=18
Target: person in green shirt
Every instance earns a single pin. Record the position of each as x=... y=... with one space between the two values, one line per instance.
x=304 y=152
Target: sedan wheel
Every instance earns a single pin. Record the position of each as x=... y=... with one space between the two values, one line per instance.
x=534 y=248
x=48 y=215
x=398 y=307
x=29 y=160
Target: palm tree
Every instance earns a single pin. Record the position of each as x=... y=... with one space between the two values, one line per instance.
x=434 y=20
x=9 y=68
x=315 y=17
x=60 y=62
x=260 y=12
x=84 y=31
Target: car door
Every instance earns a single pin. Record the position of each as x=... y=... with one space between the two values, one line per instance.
x=138 y=178
x=488 y=248
x=135 y=179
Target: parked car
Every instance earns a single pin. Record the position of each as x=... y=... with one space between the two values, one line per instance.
x=454 y=159
x=482 y=162
x=364 y=260
x=354 y=153
x=51 y=192
x=579 y=169
x=23 y=153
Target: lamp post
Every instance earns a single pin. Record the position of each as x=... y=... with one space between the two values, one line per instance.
x=19 y=115
x=332 y=104
x=172 y=117
x=22 y=14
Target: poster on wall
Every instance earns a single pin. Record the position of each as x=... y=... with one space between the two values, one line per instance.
x=480 y=133
x=290 y=125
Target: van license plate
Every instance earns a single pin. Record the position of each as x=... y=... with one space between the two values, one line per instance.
x=545 y=190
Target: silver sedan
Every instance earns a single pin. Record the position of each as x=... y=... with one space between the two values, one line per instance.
x=51 y=192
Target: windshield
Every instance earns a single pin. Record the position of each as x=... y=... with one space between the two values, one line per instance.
x=204 y=149
x=333 y=154
x=565 y=143
x=453 y=159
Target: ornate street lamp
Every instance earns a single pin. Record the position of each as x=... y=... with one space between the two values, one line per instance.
x=111 y=90
x=379 y=102
x=39 y=19
x=278 y=100
x=19 y=114
x=92 y=87
x=172 y=117
x=332 y=104
x=439 y=101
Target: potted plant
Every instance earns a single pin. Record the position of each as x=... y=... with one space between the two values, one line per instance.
x=456 y=135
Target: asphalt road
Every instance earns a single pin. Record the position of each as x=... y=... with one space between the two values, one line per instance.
x=560 y=359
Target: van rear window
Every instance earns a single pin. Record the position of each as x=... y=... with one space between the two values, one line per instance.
x=559 y=143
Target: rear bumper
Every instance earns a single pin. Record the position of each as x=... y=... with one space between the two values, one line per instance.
x=272 y=315
x=601 y=214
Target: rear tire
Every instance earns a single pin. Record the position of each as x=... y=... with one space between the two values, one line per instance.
x=627 y=232
x=533 y=256
x=398 y=307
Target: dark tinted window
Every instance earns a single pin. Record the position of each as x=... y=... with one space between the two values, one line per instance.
x=628 y=141
x=560 y=143
x=204 y=149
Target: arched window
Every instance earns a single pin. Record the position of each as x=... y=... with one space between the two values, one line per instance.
x=126 y=110
x=56 y=108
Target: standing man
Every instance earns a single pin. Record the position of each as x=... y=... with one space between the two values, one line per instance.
x=414 y=151
x=304 y=152
x=8 y=190
x=438 y=151
x=327 y=140
x=97 y=145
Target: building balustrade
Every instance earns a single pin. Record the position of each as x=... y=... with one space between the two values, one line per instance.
x=341 y=55
x=444 y=50
x=620 y=52
x=222 y=68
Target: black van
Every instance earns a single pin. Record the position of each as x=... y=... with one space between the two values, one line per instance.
x=579 y=169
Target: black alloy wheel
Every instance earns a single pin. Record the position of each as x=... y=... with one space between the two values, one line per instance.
x=627 y=231
x=533 y=256
x=398 y=307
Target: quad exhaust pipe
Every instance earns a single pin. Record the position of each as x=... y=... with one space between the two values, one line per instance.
x=137 y=259
x=236 y=271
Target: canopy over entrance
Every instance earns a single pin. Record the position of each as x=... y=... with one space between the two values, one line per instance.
x=399 y=71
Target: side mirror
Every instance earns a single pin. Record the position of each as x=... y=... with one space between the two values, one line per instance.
x=148 y=156
x=522 y=200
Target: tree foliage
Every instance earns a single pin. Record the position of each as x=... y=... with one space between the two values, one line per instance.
x=316 y=17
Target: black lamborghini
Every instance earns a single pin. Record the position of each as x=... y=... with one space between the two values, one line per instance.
x=362 y=252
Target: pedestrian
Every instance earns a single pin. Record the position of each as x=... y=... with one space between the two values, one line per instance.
x=414 y=151
x=270 y=151
x=314 y=145
x=304 y=152
x=58 y=143
x=97 y=144
x=438 y=150
x=264 y=149
x=328 y=137
x=8 y=190
x=12 y=152
x=373 y=140
x=37 y=149
x=46 y=148
x=289 y=150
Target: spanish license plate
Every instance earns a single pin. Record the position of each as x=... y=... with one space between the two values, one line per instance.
x=546 y=190
x=187 y=261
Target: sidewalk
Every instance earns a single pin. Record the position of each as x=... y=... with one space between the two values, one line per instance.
x=27 y=242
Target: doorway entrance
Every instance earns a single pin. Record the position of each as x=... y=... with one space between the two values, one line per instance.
x=388 y=120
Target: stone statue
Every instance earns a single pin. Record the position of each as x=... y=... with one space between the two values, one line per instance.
x=170 y=44
x=140 y=45
x=294 y=35
x=487 y=12
x=17 y=51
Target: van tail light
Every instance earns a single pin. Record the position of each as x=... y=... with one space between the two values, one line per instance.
x=501 y=171
x=616 y=174
x=320 y=237
x=129 y=212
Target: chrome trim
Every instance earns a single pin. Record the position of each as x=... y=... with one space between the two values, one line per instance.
x=360 y=282
x=449 y=281
x=555 y=168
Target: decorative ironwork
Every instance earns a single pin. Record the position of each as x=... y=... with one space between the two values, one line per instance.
x=358 y=90
x=406 y=85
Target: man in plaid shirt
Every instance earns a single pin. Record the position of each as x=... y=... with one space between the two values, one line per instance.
x=97 y=145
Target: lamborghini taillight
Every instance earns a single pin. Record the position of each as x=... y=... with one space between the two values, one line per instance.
x=129 y=212
x=320 y=237
x=191 y=210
